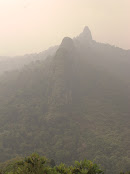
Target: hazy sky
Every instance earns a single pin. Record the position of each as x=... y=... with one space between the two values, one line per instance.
x=29 y=26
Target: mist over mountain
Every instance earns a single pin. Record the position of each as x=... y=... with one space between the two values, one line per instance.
x=71 y=105
x=18 y=62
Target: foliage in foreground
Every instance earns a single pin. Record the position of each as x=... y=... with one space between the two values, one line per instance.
x=35 y=164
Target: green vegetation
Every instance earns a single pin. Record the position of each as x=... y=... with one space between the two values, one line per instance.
x=35 y=164
x=69 y=107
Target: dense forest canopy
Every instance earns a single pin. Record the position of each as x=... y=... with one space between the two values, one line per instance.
x=71 y=106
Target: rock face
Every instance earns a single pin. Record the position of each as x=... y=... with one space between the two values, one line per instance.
x=62 y=75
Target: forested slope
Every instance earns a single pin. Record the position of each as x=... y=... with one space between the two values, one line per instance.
x=71 y=106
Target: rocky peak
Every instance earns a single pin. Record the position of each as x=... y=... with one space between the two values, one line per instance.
x=85 y=36
x=67 y=43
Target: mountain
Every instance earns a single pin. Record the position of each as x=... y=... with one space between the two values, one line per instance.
x=70 y=106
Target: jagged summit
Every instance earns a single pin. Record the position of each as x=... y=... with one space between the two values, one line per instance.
x=86 y=33
x=85 y=36
x=86 y=29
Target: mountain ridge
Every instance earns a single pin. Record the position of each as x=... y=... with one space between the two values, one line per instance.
x=18 y=62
